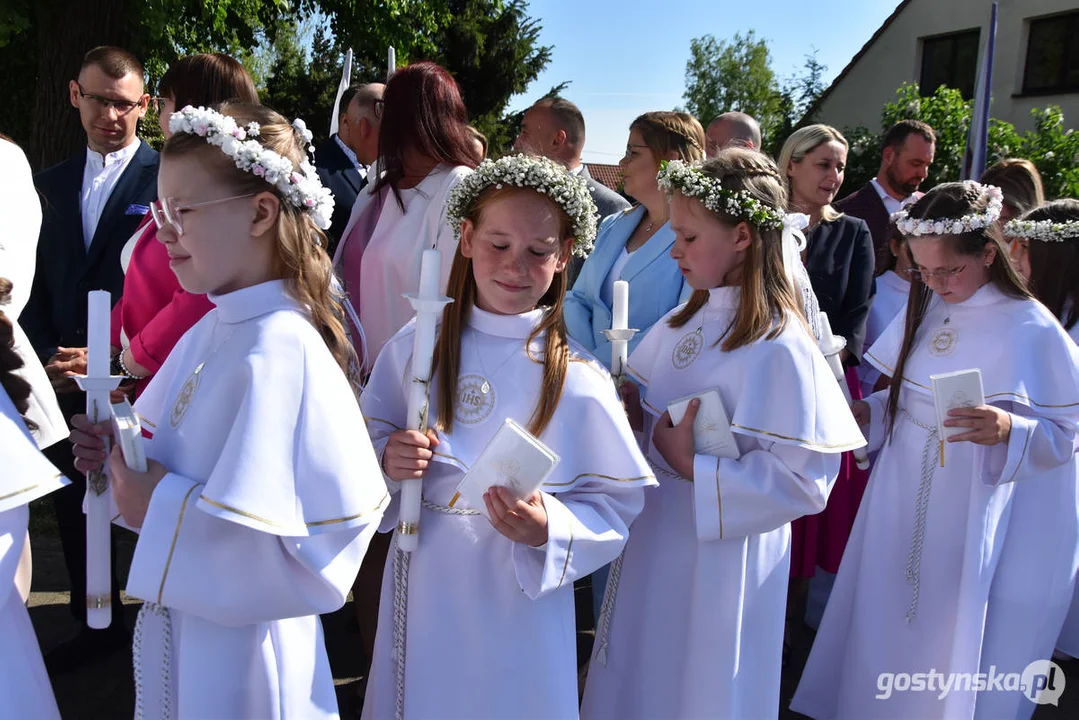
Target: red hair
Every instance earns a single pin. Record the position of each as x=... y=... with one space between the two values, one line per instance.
x=423 y=113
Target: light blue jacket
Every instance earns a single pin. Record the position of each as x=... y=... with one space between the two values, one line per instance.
x=656 y=284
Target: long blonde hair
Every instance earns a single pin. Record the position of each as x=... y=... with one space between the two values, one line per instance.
x=802 y=142
x=462 y=288
x=300 y=257
x=767 y=300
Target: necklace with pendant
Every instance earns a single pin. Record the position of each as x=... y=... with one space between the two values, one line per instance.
x=485 y=387
x=191 y=384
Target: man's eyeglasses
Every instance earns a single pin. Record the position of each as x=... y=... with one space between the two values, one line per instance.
x=941 y=276
x=166 y=212
x=123 y=107
x=380 y=107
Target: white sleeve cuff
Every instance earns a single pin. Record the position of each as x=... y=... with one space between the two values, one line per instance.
x=707 y=498
x=543 y=569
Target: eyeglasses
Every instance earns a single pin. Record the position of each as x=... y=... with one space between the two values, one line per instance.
x=631 y=146
x=379 y=107
x=166 y=212
x=157 y=103
x=123 y=107
x=941 y=276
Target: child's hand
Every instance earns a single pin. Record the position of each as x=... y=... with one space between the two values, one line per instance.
x=988 y=425
x=675 y=442
x=132 y=490
x=408 y=453
x=631 y=402
x=89 y=448
x=862 y=412
x=523 y=521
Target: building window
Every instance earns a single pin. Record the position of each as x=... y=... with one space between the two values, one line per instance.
x=1052 y=55
x=950 y=60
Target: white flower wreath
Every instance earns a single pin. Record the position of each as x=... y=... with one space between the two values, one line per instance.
x=300 y=187
x=544 y=176
x=954 y=226
x=1044 y=230
x=691 y=182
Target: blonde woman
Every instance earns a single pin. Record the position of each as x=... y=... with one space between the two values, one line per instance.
x=839 y=260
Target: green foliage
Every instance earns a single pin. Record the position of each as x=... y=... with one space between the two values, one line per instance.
x=1052 y=148
x=723 y=76
x=303 y=86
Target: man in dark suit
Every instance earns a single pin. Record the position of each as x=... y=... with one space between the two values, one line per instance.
x=906 y=155
x=342 y=161
x=91 y=205
x=554 y=128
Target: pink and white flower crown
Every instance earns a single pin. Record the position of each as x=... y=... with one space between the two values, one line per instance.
x=300 y=187
x=954 y=226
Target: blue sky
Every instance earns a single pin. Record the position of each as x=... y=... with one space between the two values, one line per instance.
x=626 y=57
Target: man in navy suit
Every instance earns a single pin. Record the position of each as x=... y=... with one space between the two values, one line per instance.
x=91 y=205
x=343 y=160
x=906 y=155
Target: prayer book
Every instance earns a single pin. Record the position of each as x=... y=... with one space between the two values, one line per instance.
x=959 y=389
x=127 y=432
x=711 y=429
x=514 y=459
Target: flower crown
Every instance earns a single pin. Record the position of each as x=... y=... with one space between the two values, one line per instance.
x=301 y=188
x=691 y=182
x=954 y=226
x=544 y=176
x=1044 y=230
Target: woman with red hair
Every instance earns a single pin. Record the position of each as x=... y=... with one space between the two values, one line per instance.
x=425 y=148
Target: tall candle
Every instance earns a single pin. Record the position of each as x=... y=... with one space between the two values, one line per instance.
x=430 y=265
x=97 y=333
x=620 y=311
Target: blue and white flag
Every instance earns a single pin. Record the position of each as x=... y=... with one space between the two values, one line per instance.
x=978 y=138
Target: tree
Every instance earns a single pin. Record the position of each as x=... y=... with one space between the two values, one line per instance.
x=1052 y=148
x=800 y=92
x=303 y=86
x=723 y=76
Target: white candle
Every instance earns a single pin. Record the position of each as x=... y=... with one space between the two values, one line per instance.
x=391 y=66
x=621 y=305
x=97 y=333
x=430 y=265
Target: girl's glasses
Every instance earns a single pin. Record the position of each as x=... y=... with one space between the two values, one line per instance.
x=166 y=212
x=941 y=276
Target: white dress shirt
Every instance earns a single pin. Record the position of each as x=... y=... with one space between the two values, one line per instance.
x=890 y=203
x=98 y=181
x=351 y=156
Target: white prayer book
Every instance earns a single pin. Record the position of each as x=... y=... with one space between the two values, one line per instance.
x=514 y=459
x=127 y=432
x=711 y=429
x=959 y=389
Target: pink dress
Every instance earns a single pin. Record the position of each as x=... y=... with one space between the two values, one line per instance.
x=154 y=311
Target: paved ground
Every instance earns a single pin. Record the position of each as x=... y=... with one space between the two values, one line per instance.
x=104 y=690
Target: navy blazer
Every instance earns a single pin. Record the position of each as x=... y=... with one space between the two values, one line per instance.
x=337 y=173
x=866 y=204
x=839 y=261
x=66 y=271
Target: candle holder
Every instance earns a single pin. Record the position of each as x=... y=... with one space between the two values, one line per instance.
x=619 y=338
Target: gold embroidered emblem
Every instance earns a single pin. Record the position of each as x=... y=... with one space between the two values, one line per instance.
x=687 y=349
x=184 y=398
x=474 y=404
x=943 y=342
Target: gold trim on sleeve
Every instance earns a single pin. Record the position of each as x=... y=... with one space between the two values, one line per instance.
x=719 y=500
x=569 y=547
x=172 y=548
x=271 y=523
x=601 y=477
x=36 y=485
x=1026 y=442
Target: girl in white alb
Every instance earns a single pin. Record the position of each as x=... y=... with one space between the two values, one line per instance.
x=1046 y=253
x=945 y=571
x=692 y=625
x=482 y=625
x=263 y=490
